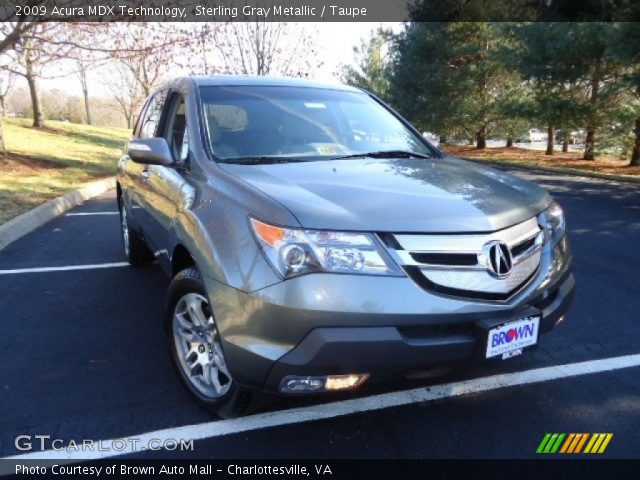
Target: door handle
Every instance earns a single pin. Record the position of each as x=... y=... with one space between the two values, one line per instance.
x=145 y=175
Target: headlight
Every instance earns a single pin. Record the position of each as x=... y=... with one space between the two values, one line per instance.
x=552 y=223
x=293 y=251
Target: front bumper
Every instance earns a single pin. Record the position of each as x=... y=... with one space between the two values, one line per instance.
x=325 y=324
x=384 y=352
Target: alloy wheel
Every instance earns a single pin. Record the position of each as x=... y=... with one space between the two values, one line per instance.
x=198 y=348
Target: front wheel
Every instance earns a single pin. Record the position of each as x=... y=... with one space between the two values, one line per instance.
x=196 y=349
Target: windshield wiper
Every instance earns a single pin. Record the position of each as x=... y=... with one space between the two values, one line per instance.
x=264 y=160
x=386 y=154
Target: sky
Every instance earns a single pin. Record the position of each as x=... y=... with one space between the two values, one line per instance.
x=336 y=42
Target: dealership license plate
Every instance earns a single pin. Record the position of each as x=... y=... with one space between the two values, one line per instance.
x=509 y=339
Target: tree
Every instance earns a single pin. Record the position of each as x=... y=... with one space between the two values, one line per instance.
x=86 y=59
x=6 y=82
x=142 y=55
x=600 y=79
x=372 y=71
x=41 y=47
x=126 y=91
x=543 y=55
x=448 y=77
x=148 y=51
x=626 y=48
x=7 y=78
x=263 y=48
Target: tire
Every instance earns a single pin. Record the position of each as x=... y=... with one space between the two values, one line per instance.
x=192 y=344
x=135 y=249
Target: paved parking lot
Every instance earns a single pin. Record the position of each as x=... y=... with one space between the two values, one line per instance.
x=82 y=355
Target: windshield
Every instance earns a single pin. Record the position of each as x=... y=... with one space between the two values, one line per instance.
x=299 y=123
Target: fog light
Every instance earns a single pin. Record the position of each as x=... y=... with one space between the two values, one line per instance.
x=339 y=382
x=295 y=384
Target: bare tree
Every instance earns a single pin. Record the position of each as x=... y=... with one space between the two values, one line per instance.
x=149 y=50
x=12 y=32
x=7 y=78
x=82 y=76
x=265 y=48
x=6 y=82
x=41 y=47
x=126 y=91
x=86 y=59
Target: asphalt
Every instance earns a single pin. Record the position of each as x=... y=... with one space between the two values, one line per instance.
x=82 y=353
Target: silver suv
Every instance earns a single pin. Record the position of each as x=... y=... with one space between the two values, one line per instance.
x=317 y=241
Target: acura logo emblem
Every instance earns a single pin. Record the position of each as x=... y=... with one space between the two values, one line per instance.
x=498 y=258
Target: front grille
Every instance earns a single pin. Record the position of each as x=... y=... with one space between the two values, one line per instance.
x=457 y=264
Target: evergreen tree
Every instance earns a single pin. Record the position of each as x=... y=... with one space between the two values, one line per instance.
x=448 y=77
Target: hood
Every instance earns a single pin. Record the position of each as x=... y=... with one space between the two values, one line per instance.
x=397 y=195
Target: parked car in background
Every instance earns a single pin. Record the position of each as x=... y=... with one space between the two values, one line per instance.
x=317 y=241
x=536 y=135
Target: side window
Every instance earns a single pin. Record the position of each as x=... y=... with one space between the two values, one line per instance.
x=152 y=115
x=176 y=131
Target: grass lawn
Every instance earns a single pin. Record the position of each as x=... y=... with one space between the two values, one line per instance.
x=43 y=163
x=528 y=157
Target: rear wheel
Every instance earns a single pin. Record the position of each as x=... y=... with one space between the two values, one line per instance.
x=196 y=349
x=135 y=249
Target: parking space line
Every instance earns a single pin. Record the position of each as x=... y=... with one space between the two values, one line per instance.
x=325 y=411
x=65 y=268
x=82 y=214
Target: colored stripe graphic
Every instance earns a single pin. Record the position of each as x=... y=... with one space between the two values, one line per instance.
x=598 y=443
x=605 y=442
x=544 y=441
x=574 y=442
x=567 y=443
x=550 y=443
x=583 y=439
x=556 y=445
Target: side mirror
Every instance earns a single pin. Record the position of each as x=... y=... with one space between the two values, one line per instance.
x=152 y=151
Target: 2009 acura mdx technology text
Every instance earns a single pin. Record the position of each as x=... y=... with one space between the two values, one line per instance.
x=317 y=241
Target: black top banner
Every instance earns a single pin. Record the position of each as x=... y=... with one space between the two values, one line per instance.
x=319 y=10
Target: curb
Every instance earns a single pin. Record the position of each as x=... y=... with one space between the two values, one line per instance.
x=27 y=222
x=568 y=171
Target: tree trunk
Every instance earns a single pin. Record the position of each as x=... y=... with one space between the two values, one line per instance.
x=635 y=156
x=35 y=97
x=509 y=140
x=3 y=150
x=590 y=142
x=85 y=93
x=551 y=133
x=481 y=138
x=590 y=145
x=3 y=106
x=566 y=135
